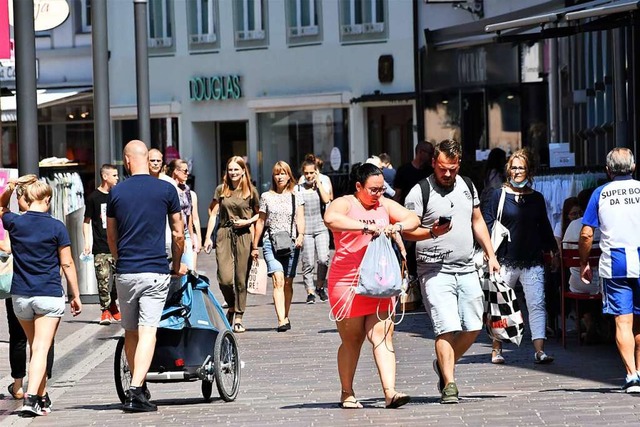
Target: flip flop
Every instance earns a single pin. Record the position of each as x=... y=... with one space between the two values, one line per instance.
x=238 y=328
x=351 y=404
x=398 y=400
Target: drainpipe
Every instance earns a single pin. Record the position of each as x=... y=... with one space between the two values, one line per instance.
x=554 y=118
x=417 y=71
x=619 y=90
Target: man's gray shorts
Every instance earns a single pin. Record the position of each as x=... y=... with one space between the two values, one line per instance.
x=142 y=297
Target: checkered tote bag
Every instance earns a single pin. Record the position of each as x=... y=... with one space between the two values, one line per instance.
x=503 y=316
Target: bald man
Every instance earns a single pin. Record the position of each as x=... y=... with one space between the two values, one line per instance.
x=137 y=211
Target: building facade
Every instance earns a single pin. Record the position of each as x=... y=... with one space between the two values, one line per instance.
x=270 y=80
x=64 y=96
x=531 y=74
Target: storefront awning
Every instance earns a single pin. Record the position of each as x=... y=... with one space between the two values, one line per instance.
x=45 y=98
x=545 y=20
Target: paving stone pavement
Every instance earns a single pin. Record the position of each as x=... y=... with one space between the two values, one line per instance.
x=291 y=379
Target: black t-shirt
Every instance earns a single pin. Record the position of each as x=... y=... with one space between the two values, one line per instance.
x=96 y=211
x=408 y=176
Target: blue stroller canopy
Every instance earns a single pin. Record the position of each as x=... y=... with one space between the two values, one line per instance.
x=193 y=306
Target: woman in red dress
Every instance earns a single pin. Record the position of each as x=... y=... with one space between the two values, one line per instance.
x=355 y=220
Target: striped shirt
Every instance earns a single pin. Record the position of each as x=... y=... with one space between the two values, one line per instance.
x=614 y=208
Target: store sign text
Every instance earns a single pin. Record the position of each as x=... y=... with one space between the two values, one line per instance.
x=216 y=88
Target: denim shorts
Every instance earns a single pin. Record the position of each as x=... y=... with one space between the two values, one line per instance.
x=142 y=297
x=621 y=296
x=26 y=307
x=276 y=263
x=443 y=292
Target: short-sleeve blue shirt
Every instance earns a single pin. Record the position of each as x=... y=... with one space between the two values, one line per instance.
x=140 y=206
x=35 y=239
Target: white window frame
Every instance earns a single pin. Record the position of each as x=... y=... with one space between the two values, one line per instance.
x=196 y=35
x=300 y=30
x=85 y=13
x=374 y=27
x=164 y=41
x=258 y=33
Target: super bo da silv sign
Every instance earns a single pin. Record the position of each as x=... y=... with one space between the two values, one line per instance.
x=216 y=88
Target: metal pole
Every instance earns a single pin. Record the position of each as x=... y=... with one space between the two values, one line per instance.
x=417 y=72
x=619 y=89
x=142 y=72
x=102 y=119
x=553 y=91
x=27 y=104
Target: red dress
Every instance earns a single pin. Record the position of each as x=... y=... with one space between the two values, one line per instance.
x=350 y=249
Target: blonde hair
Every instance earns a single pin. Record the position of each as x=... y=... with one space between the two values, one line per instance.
x=37 y=191
x=244 y=186
x=525 y=156
x=281 y=166
x=23 y=182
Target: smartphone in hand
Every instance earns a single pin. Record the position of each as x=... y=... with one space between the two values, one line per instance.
x=444 y=220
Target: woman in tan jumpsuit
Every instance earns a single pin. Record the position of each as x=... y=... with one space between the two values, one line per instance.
x=236 y=202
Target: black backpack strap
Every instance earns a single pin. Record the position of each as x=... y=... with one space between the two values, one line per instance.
x=469 y=183
x=426 y=189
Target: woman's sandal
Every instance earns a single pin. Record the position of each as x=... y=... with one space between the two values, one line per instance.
x=350 y=402
x=16 y=396
x=398 y=400
x=496 y=356
x=238 y=328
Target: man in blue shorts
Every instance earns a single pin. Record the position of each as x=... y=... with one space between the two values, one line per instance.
x=449 y=281
x=614 y=208
x=137 y=212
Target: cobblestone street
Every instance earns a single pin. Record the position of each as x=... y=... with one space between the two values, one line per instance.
x=291 y=379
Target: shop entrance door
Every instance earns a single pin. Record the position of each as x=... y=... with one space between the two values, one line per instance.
x=232 y=137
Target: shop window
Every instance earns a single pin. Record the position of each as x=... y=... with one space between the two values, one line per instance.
x=363 y=20
x=504 y=120
x=85 y=15
x=442 y=116
x=203 y=24
x=160 y=23
x=250 y=23
x=290 y=135
x=303 y=24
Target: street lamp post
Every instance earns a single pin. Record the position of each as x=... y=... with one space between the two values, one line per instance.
x=27 y=104
x=142 y=71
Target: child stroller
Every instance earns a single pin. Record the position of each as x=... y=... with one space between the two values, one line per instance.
x=194 y=342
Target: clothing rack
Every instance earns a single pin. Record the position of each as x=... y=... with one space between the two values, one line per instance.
x=67 y=205
x=556 y=188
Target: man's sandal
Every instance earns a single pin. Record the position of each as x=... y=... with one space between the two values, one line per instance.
x=238 y=328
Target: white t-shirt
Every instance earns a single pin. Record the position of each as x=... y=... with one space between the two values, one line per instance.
x=575 y=282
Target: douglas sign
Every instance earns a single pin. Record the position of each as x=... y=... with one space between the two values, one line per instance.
x=215 y=88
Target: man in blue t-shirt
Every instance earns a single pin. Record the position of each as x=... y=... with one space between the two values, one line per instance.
x=137 y=211
x=614 y=208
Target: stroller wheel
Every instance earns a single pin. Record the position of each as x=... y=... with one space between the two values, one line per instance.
x=122 y=373
x=226 y=366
